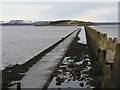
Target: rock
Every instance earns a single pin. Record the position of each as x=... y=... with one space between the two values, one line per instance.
x=82 y=78
x=69 y=79
x=60 y=71
x=60 y=79
x=74 y=79
x=88 y=83
x=85 y=62
x=58 y=83
x=81 y=84
x=78 y=78
x=63 y=67
x=71 y=65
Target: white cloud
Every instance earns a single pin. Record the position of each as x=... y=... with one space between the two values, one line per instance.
x=54 y=11
x=59 y=0
x=19 y=11
x=97 y=14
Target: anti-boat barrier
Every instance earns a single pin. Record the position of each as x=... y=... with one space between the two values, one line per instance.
x=104 y=54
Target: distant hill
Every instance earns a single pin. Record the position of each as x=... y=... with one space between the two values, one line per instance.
x=41 y=23
x=73 y=23
x=16 y=22
x=66 y=23
x=55 y=23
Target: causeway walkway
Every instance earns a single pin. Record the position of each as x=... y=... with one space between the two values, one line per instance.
x=40 y=73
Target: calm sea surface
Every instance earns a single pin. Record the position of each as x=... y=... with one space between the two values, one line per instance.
x=111 y=30
x=20 y=43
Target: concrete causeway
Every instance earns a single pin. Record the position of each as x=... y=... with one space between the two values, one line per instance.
x=40 y=73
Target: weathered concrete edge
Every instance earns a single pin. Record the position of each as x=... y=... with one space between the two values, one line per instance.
x=107 y=70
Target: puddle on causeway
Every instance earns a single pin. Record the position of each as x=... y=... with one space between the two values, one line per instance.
x=73 y=72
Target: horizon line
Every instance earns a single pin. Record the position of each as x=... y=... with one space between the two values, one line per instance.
x=57 y=20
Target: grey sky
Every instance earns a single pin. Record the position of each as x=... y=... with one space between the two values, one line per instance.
x=87 y=11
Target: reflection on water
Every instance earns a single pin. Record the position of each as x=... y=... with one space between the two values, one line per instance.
x=82 y=36
x=74 y=71
x=73 y=74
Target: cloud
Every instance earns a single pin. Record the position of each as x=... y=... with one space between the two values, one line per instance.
x=59 y=1
x=24 y=11
x=54 y=11
x=97 y=14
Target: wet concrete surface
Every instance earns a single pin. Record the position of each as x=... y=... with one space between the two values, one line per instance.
x=74 y=70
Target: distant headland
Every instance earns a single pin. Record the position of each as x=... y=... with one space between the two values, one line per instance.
x=54 y=23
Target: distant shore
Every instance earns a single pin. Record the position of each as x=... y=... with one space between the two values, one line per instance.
x=56 y=23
